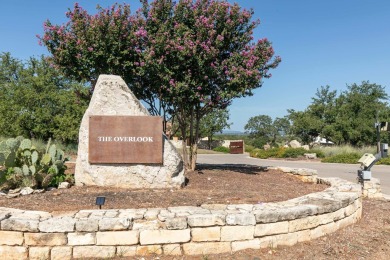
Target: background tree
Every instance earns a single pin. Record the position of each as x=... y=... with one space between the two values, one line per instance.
x=38 y=102
x=212 y=123
x=264 y=130
x=345 y=119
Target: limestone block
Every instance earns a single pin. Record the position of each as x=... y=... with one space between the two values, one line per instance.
x=150 y=237
x=277 y=214
x=206 y=220
x=20 y=225
x=45 y=239
x=172 y=249
x=271 y=229
x=97 y=214
x=111 y=213
x=176 y=223
x=188 y=210
x=112 y=96
x=61 y=253
x=334 y=216
x=147 y=225
x=83 y=214
x=323 y=230
x=31 y=215
x=117 y=238
x=304 y=235
x=149 y=250
x=4 y=215
x=65 y=224
x=165 y=214
x=247 y=244
x=214 y=206
x=206 y=248
x=325 y=205
x=288 y=239
x=206 y=234
x=126 y=251
x=151 y=214
x=244 y=208
x=87 y=225
x=132 y=213
x=11 y=238
x=304 y=223
x=81 y=239
x=235 y=233
x=268 y=242
x=14 y=252
x=115 y=224
x=39 y=253
x=93 y=251
x=243 y=219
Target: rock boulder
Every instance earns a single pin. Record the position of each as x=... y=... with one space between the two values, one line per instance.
x=113 y=97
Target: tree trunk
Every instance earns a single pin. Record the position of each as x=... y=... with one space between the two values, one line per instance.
x=194 y=144
x=194 y=156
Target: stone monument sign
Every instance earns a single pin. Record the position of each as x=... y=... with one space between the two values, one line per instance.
x=121 y=145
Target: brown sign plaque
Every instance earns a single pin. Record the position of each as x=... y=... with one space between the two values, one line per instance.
x=125 y=139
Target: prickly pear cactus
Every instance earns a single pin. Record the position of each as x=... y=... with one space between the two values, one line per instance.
x=46 y=159
x=3 y=146
x=26 y=170
x=10 y=160
x=2 y=158
x=12 y=144
x=27 y=166
x=53 y=152
x=25 y=144
x=34 y=157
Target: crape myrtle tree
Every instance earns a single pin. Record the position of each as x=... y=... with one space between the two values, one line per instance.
x=202 y=52
x=188 y=57
x=109 y=42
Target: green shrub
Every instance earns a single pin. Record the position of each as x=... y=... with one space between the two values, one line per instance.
x=293 y=152
x=249 y=148
x=318 y=152
x=221 y=149
x=384 y=161
x=343 y=158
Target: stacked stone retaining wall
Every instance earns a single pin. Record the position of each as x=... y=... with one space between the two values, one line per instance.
x=204 y=230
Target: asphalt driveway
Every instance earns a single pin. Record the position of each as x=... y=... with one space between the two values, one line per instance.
x=344 y=171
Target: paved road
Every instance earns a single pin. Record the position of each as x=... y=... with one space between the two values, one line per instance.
x=344 y=171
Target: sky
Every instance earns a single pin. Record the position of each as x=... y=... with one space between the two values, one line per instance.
x=332 y=42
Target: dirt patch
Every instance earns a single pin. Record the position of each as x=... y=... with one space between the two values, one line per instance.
x=208 y=185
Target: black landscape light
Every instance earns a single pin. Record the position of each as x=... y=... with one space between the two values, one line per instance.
x=100 y=201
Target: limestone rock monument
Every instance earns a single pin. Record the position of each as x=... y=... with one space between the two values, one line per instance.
x=121 y=145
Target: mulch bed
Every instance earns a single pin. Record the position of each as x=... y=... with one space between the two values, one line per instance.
x=207 y=185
